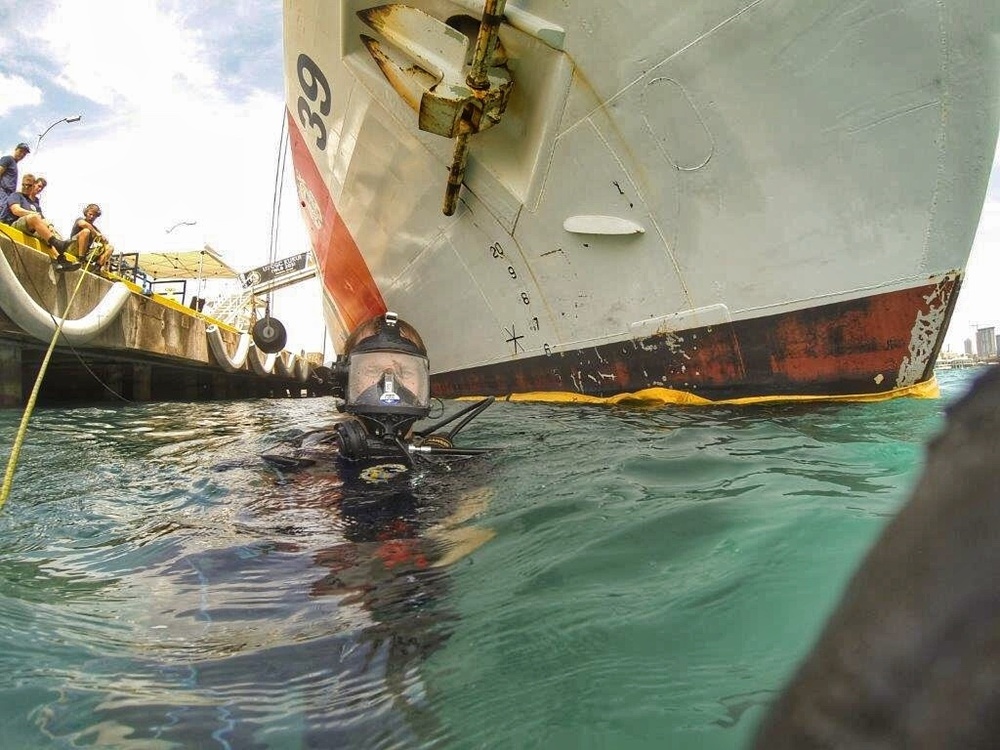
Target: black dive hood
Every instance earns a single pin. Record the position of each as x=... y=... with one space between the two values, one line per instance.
x=388 y=375
x=385 y=376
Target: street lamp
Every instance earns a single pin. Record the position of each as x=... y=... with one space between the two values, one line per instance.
x=74 y=118
x=181 y=224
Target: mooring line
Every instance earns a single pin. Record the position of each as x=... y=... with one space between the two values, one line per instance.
x=8 y=478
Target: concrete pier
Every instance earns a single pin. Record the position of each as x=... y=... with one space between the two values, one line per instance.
x=149 y=348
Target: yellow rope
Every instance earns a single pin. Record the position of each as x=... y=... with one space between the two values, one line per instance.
x=8 y=478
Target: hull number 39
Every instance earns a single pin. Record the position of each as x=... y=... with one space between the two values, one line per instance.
x=316 y=95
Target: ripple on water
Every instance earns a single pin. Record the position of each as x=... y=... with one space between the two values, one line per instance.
x=645 y=577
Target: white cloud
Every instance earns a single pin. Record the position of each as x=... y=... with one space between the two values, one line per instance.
x=17 y=92
x=143 y=69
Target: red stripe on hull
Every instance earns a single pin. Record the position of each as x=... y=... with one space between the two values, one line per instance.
x=871 y=345
x=343 y=269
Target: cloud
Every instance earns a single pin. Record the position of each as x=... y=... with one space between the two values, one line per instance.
x=159 y=60
x=16 y=92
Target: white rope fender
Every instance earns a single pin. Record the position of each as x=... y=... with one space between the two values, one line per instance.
x=263 y=365
x=294 y=366
x=38 y=322
x=285 y=363
x=218 y=346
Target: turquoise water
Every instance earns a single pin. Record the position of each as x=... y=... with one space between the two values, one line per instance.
x=611 y=578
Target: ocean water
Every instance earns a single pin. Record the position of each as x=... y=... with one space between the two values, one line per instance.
x=607 y=578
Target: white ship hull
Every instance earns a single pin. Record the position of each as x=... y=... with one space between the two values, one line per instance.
x=725 y=199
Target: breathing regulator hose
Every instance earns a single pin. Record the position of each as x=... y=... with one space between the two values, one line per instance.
x=8 y=477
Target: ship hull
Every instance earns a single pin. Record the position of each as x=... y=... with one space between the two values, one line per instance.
x=868 y=345
x=756 y=201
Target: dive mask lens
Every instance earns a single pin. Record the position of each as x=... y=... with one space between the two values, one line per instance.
x=388 y=379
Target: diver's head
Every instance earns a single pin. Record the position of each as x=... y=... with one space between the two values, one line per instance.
x=388 y=375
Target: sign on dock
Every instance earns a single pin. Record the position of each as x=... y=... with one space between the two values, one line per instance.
x=273 y=271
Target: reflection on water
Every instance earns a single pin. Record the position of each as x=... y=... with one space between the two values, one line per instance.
x=614 y=577
x=203 y=598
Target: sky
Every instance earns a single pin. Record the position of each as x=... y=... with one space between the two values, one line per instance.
x=181 y=106
x=979 y=301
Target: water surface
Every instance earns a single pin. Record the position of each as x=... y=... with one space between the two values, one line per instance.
x=610 y=578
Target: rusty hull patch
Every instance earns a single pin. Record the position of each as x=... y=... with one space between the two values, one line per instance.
x=925 y=336
x=872 y=345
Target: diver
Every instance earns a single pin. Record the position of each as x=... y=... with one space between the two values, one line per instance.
x=343 y=585
x=383 y=381
x=397 y=530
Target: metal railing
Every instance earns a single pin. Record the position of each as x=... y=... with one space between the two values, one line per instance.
x=235 y=310
x=242 y=308
x=126 y=265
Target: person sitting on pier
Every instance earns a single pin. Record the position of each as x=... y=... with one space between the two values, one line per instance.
x=85 y=235
x=24 y=213
x=40 y=183
x=8 y=170
x=26 y=182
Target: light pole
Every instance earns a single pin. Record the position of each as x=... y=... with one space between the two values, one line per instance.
x=73 y=118
x=181 y=224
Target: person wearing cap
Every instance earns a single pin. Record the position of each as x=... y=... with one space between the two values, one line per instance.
x=8 y=170
x=85 y=233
